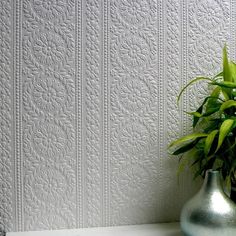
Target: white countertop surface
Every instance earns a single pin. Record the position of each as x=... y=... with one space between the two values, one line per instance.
x=166 y=229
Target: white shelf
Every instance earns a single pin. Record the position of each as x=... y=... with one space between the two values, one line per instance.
x=166 y=229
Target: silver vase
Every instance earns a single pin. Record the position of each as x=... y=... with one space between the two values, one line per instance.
x=210 y=212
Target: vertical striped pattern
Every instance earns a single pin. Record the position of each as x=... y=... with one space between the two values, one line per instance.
x=173 y=86
x=184 y=61
x=107 y=86
x=18 y=114
x=232 y=29
x=161 y=91
x=106 y=116
x=7 y=217
x=79 y=113
x=93 y=106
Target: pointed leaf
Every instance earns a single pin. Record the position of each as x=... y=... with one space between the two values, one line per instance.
x=224 y=84
x=232 y=67
x=196 y=116
x=214 y=97
x=226 y=93
x=187 y=138
x=184 y=161
x=195 y=113
x=211 y=109
x=225 y=128
x=214 y=124
x=228 y=104
x=185 y=148
x=228 y=184
x=209 y=140
x=220 y=74
x=226 y=67
x=216 y=92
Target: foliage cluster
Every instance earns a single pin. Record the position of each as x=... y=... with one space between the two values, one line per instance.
x=212 y=144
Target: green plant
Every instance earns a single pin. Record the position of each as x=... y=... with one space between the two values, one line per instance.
x=212 y=144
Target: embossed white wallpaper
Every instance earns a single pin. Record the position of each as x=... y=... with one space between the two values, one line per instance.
x=88 y=105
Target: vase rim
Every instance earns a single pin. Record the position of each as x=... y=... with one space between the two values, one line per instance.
x=212 y=170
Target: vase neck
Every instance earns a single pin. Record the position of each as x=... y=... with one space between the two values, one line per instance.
x=212 y=181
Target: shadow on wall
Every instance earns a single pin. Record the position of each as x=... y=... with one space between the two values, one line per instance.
x=176 y=190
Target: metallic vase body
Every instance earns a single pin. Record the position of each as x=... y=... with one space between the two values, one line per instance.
x=210 y=212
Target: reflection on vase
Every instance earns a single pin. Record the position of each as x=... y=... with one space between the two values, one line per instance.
x=210 y=212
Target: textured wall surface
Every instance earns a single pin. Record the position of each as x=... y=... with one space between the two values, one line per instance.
x=87 y=106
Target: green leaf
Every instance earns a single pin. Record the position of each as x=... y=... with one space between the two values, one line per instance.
x=186 y=160
x=185 y=148
x=191 y=82
x=213 y=124
x=216 y=92
x=214 y=97
x=218 y=163
x=214 y=107
x=220 y=74
x=232 y=67
x=212 y=110
x=225 y=128
x=187 y=138
x=227 y=104
x=209 y=140
x=228 y=183
x=195 y=113
x=226 y=68
x=224 y=84
x=196 y=116
x=226 y=92
x=205 y=165
x=182 y=164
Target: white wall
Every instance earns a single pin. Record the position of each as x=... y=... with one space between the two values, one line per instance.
x=88 y=106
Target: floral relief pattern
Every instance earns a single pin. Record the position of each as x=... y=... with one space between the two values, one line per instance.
x=132 y=180
x=133 y=11
x=48 y=222
x=49 y=139
x=93 y=125
x=48 y=48
x=173 y=68
x=133 y=141
x=49 y=184
x=45 y=49
x=134 y=51
x=210 y=19
x=134 y=14
x=44 y=11
x=134 y=138
x=209 y=15
x=99 y=81
x=136 y=94
x=49 y=9
x=49 y=94
x=205 y=55
x=47 y=218
x=6 y=120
